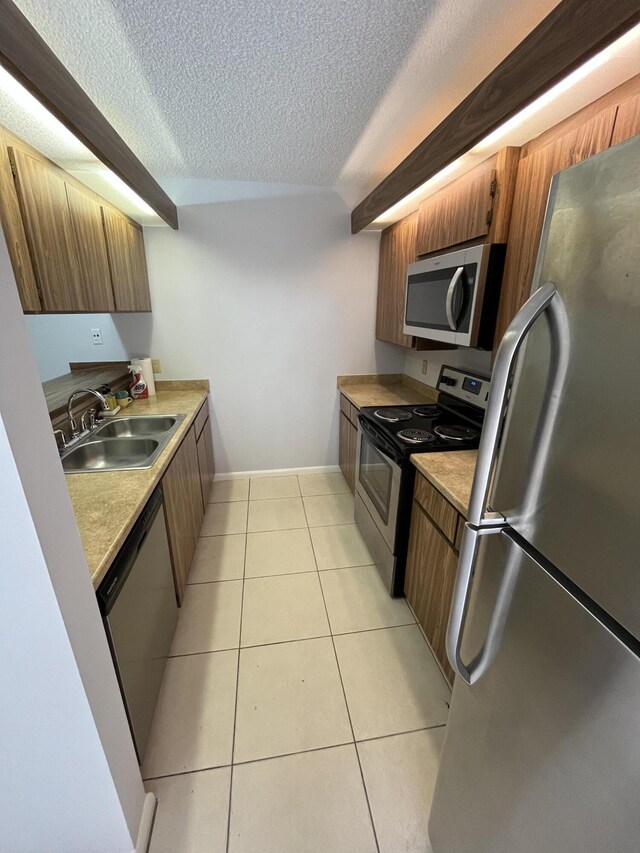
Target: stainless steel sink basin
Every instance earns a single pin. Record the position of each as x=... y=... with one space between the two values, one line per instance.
x=132 y=427
x=122 y=444
x=107 y=454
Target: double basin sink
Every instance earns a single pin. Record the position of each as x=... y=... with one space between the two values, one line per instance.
x=122 y=444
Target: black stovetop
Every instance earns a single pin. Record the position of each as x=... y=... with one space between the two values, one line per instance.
x=434 y=419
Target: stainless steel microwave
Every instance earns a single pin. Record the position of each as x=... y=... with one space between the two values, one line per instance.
x=454 y=298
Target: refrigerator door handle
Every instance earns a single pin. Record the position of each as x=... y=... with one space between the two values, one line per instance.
x=480 y=664
x=543 y=298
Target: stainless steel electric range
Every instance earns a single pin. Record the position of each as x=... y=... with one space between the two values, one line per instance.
x=387 y=436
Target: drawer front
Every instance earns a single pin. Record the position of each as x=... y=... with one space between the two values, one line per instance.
x=437 y=508
x=354 y=415
x=201 y=417
x=345 y=406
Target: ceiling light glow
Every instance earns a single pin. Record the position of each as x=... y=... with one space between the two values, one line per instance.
x=630 y=40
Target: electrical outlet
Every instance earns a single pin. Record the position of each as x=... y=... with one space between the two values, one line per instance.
x=425 y=364
x=155 y=365
x=96 y=337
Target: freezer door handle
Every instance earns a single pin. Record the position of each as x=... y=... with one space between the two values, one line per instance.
x=472 y=671
x=546 y=297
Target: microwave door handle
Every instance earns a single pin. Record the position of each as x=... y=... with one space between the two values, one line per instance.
x=451 y=292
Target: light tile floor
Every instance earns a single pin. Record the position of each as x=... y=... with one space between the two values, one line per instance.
x=301 y=708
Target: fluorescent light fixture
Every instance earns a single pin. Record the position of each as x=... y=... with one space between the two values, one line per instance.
x=626 y=45
x=72 y=147
x=26 y=101
x=125 y=190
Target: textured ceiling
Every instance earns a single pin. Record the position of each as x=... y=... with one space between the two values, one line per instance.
x=321 y=92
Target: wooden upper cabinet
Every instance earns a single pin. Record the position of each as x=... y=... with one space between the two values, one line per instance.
x=397 y=250
x=627 y=123
x=125 y=247
x=475 y=206
x=14 y=233
x=540 y=162
x=86 y=219
x=49 y=231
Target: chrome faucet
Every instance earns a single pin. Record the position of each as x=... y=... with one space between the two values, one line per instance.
x=74 y=432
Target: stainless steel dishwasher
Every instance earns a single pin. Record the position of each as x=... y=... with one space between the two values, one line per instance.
x=138 y=605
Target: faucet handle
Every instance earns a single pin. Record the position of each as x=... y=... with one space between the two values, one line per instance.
x=59 y=432
x=91 y=415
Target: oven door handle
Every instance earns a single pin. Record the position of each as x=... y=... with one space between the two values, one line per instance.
x=379 y=442
x=451 y=292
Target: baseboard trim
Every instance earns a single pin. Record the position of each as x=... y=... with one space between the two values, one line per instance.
x=279 y=472
x=146 y=823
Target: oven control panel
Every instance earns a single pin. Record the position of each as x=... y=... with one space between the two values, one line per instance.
x=471 y=387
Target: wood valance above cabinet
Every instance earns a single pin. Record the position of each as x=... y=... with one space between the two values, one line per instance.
x=71 y=251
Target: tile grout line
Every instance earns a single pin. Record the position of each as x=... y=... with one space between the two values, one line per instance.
x=289 y=754
x=346 y=703
x=235 y=705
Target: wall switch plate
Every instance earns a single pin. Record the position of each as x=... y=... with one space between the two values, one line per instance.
x=425 y=364
x=155 y=365
x=96 y=337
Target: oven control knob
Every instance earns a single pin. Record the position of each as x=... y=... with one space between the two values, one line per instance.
x=447 y=380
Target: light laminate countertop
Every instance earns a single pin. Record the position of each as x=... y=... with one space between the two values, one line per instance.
x=451 y=473
x=107 y=503
x=385 y=390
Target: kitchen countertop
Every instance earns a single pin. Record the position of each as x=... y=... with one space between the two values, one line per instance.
x=451 y=473
x=385 y=390
x=107 y=503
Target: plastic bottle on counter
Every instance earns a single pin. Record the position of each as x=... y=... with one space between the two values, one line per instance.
x=139 y=389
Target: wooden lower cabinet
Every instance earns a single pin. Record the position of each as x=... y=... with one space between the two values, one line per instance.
x=430 y=577
x=183 y=509
x=205 y=461
x=347 y=450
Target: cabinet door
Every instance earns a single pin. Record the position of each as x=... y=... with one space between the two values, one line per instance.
x=627 y=122
x=397 y=250
x=125 y=247
x=183 y=509
x=15 y=236
x=91 y=248
x=351 y=464
x=345 y=449
x=429 y=581
x=205 y=462
x=530 y=200
x=47 y=223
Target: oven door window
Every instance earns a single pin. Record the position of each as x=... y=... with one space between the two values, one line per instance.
x=427 y=298
x=376 y=477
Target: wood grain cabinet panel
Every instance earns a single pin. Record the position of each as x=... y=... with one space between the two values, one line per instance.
x=86 y=218
x=536 y=169
x=348 y=439
x=429 y=581
x=15 y=235
x=437 y=507
x=125 y=248
x=205 y=461
x=397 y=250
x=183 y=509
x=49 y=231
x=476 y=205
x=627 y=123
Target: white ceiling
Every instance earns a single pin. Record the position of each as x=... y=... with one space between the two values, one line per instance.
x=323 y=92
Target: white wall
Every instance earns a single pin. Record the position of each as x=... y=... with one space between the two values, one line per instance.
x=465 y=357
x=269 y=299
x=57 y=339
x=70 y=779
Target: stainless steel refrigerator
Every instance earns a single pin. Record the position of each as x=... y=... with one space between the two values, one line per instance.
x=542 y=746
